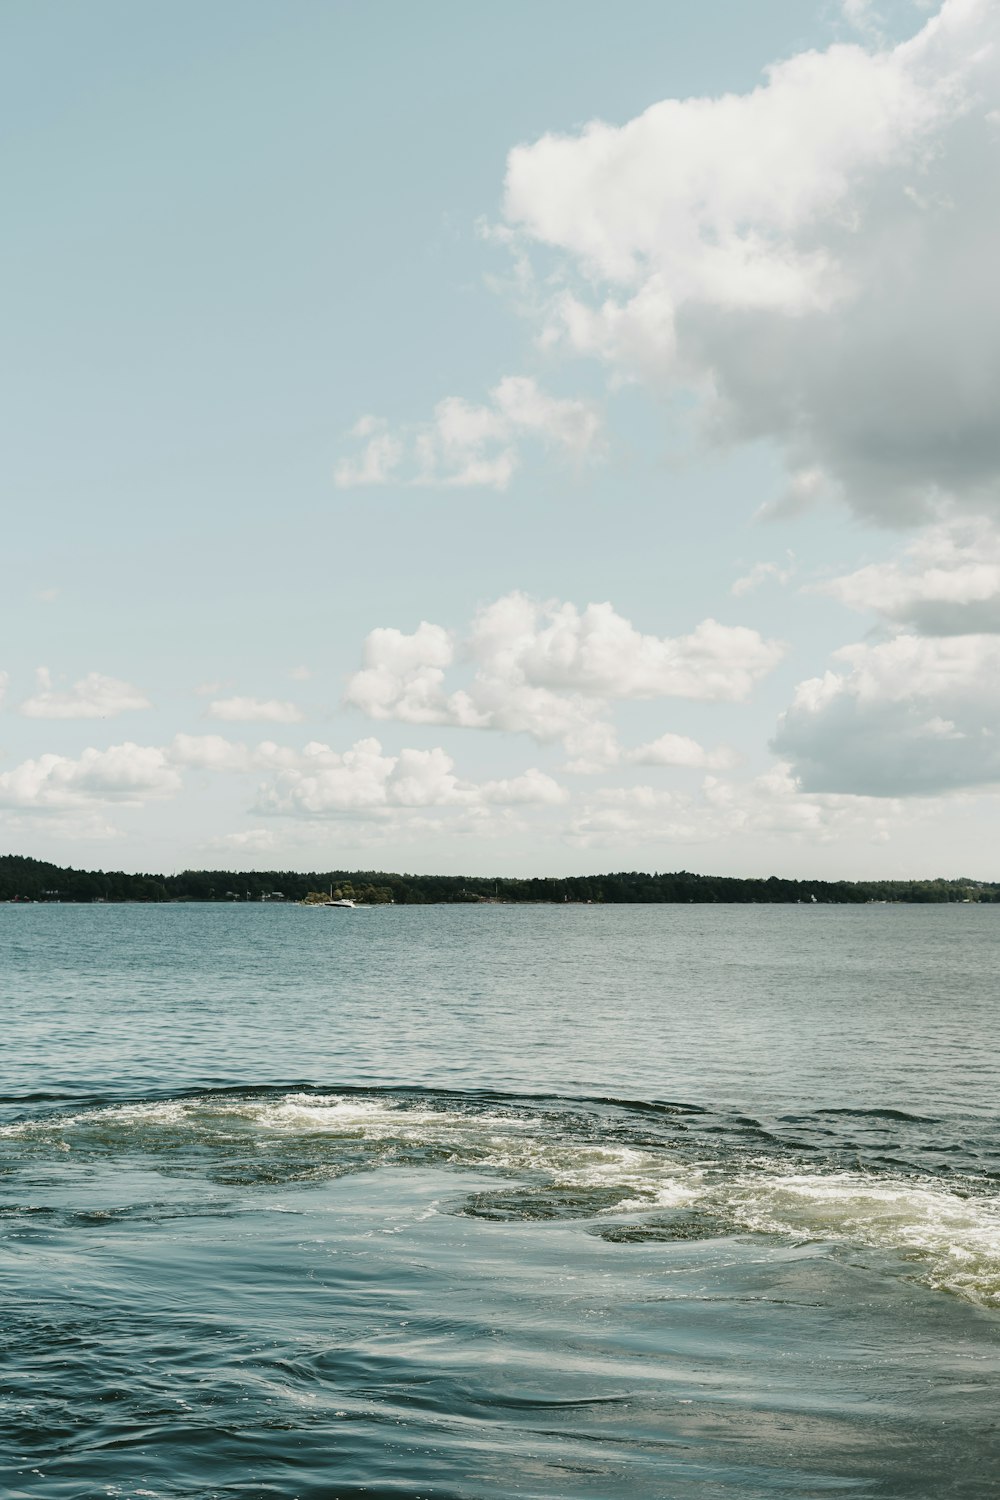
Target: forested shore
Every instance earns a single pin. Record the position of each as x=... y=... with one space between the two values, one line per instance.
x=30 y=880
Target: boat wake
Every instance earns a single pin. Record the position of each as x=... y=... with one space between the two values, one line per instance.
x=634 y=1172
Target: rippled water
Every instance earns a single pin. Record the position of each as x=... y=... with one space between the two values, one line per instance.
x=469 y=1202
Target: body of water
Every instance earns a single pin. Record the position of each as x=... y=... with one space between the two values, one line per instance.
x=663 y=1202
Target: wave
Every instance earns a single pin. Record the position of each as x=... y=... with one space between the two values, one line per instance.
x=599 y=1160
x=882 y=1114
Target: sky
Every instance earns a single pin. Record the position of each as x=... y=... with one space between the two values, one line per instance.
x=522 y=439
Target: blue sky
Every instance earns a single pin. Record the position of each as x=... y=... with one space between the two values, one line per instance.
x=403 y=470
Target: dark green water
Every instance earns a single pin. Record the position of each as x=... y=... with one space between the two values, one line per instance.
x=666 y=1202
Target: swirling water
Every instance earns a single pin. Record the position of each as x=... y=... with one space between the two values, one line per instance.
x=666 y=1202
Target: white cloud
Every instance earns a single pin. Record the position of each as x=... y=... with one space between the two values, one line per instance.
x=300 y=674
x=596 y=748
x=814 y=259
x=92 y=697
x=254 y=710
x=551 y=670
x=313 y=782
x=213 y=752
x=598 y=652
x=209 y=752
x=4 y=680
x=706 y=200
x=380 y=457
x=947 y=584
x=762 y=572
x=862 y=15
x=679 y=750
x=468 y=445
x=909 y=716
x=127 y=773
x=364 y=781
x=531 y=788
x=402 y=676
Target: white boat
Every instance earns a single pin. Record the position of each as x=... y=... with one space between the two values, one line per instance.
x=340 y=901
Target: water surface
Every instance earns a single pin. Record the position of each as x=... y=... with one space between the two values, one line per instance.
x=672 y=1201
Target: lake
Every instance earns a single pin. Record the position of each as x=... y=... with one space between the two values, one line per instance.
x=464 y=1202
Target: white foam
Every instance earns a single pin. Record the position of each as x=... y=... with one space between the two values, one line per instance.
x=953 y=1239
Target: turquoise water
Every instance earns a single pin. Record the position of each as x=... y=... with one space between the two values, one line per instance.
x=673 y=1202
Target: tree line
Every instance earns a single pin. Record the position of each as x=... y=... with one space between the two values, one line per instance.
x=25 y=879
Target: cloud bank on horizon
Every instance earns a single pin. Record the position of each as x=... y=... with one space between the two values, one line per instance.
x=807 y=267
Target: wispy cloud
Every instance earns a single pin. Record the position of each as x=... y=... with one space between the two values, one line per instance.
x=468 y=445
x=764 y=572
x=254 y=710
x=92 y=697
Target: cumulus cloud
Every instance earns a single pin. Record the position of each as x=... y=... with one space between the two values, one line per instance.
x=948 y=582
x=365 y=781
x=469 y=445
x=550 y=670
x=92 y=697
x=254 y=710
x=814 y=259
x=909 y=716
x=403 y=677
x=596 y=651
x=311 y=782
x=127 y=773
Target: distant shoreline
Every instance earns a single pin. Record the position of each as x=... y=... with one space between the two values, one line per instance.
x=26 y=880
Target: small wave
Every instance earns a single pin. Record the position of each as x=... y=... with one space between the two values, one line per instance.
x=883 y=1114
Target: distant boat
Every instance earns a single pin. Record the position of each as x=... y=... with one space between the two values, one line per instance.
x=314 y=899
